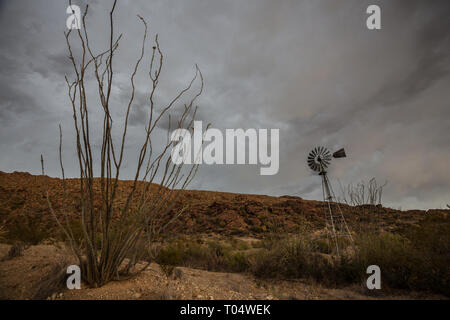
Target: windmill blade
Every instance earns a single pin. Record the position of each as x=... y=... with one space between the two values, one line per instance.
x=319 y=158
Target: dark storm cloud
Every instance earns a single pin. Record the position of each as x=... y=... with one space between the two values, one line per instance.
x=138 y=113
x=16 y=102
x=432 y=48
x=309 y=68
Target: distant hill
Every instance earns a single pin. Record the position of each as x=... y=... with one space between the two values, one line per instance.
x=22 y=200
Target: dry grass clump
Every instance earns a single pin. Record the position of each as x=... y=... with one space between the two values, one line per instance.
x=418 y=261
x=291 y=257
x=27 y=229
x=16 y=250
x=178 y=273
x=415 y=259
x=167 y=269
x=53 y=281
x=239 y=244
x=431 y=240
x=211 y=255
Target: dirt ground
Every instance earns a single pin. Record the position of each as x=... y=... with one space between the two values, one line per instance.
x=22 y=276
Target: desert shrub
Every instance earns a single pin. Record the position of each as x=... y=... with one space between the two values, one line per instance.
x=403 y=264
x=432 y=233
x=76 y=228
x=295 y=256
x=179 y=253
x=239 y=244
x=167 y=269
x=322 y=245
x=16 y=250
x=238 y=262
x=417 y=262
x=150 y=204
x=363 y=193
x=394 y=254
x=270 y=240
x=264 y=264
x=171 y=255
x=53 y=281
x=211 y=255
x=290 y=258
x=29 y=230
x=431 y=239
x=178 y=273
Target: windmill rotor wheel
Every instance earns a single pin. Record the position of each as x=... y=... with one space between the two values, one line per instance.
x=319 y=159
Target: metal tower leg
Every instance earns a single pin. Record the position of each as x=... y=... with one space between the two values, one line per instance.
x=334 y=219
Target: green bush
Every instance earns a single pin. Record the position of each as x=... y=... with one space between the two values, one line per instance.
x=171 y=255
x=290 y=258
x=417 y=262
x=239 y=244
x=212 y=255
x=431 y=239
x=394 y=254
x=29 y=230
x=237 y=262
x=323 y=245
x=418 y=259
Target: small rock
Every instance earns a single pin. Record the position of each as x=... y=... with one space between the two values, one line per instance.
x=199 y=296
x=137 y=295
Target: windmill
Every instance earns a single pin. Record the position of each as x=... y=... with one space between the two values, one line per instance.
x=318 y=160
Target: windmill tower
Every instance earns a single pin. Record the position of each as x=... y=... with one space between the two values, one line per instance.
x=318 y=160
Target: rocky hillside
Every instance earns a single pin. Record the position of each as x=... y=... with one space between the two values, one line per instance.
x=23 y=202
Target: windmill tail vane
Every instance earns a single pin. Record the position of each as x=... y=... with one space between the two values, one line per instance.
x=339 y=154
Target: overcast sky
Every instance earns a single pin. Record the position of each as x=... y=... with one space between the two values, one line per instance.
x=310 y=68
